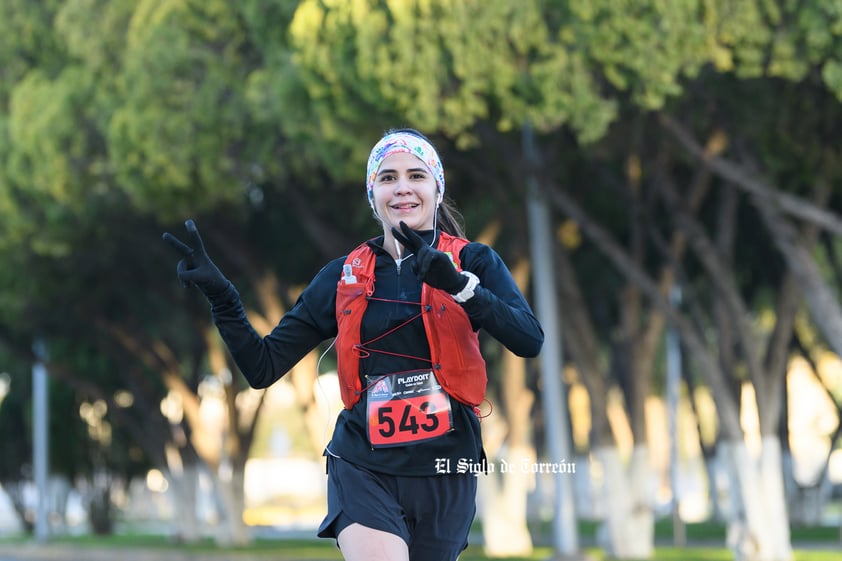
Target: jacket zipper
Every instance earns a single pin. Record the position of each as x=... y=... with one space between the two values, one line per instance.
x=399 y=262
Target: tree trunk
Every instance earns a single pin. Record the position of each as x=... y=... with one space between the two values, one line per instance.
x=184 y=484
x=758 y=530
x=622 y=533
x=628 y=527
x=504 y=529
x=749 y=535
x=229 y=483
x=772 y=488
x=641 y=520
x=808 y=501
x=774 y=205
x=766 y=376
x=303 y=377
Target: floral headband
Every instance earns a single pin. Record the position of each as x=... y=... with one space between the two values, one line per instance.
x=403 y=142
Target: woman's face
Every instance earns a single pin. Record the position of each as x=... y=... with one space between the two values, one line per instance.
x=405 y=190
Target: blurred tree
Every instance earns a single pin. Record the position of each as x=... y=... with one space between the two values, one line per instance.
x=743 y=291
x=119 y=119
x=15 y=434
x=144 y=115
x=86 y=445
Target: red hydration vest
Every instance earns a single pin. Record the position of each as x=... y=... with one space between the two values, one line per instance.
x=454 y=345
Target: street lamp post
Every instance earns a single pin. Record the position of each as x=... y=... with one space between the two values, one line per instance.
x=40 y=439
x=565 y=537
x=673 y=393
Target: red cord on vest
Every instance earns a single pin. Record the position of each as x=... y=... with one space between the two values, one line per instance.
x=367 y=350
x=478 y=412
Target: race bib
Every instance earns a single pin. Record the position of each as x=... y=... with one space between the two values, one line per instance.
x=406 y=409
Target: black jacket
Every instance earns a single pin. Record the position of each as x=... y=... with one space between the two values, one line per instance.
x=498 y=308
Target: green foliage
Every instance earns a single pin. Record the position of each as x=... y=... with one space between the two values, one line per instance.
x=68 y=439
x=15 y=415
x=443 y=66
x=302 y=549
x=27 y=41
x=779 y=39
x=178 y=131
x=447 y=66
x=49 y=157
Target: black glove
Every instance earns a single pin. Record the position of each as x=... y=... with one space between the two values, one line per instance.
x=431 y=265
x=195 y=266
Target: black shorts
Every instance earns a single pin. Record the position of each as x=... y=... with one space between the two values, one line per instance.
x=433 y=515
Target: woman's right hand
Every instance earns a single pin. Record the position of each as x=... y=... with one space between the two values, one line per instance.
x=196 y=267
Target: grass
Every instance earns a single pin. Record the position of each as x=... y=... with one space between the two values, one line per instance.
x=272 y=549
x=720 y=554
x=707 y=532
x=303 y=550
x=819 y=544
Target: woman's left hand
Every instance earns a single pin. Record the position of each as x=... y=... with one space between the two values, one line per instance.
x=432 y=266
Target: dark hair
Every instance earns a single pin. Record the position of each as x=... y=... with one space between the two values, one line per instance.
x=448 y=218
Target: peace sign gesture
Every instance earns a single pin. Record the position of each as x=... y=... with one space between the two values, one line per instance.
x=432 y=266
x=195 y=266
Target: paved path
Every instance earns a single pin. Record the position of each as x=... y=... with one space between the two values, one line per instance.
x=51 y=552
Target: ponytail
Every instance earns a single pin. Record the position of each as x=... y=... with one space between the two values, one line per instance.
x=449 y=219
